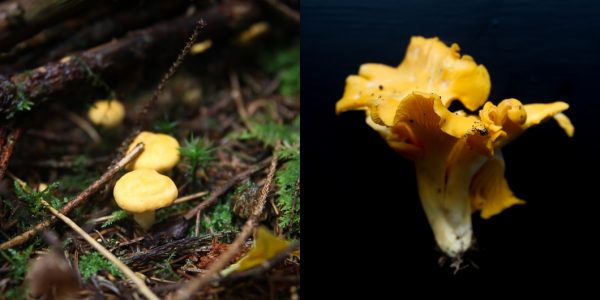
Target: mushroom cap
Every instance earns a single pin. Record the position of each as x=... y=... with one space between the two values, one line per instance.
x=107 y=113
x=161 y=152
x=144 y=190
x=429 y=66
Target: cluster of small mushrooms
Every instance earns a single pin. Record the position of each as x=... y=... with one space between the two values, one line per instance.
x=144 y=189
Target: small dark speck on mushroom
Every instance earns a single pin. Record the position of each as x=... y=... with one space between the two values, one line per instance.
x=482 y=132
x=411 y=120
x=381 y=87
x=439 y=190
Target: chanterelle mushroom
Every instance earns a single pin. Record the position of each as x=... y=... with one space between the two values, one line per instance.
x=107 y=113
x=143 y=191
x=161 y=152
x=459 y=166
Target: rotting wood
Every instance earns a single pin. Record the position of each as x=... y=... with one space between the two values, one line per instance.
x=20 y=19
x=176 y=246
x=92 y=28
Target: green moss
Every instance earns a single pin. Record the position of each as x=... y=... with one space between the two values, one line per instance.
x=19 y=99
x=77 y=182
x=116 y=216
x=33 y=198
x=288 y=200
x=92 y=263
x=270 y=133
x=286 y=63
x=165 y=126
x=165 y=269
x=164 y=213
x=18 y=261
x=196 y=153
x=220 y=218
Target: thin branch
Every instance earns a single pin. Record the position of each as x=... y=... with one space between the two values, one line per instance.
x=285 y=10
x=82 y=197
x=142 y=287
x=85 y=126
x=197 y=227
x=190 y=197
x=199 y=282
x=236 y=94
x=161 y=85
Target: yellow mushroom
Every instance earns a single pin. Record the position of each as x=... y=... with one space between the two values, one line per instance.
x=107 y=113
x=457 y=159
x=143 y=191
x=161 y=152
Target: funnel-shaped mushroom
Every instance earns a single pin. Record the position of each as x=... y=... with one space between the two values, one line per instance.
x=458 y=163
x=107 y=113
x=143 y=191
x=161 y=152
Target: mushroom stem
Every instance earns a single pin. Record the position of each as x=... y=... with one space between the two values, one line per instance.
x=444 y=192
x=145 y=219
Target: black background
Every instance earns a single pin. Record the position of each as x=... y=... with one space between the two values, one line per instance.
x=362 y=214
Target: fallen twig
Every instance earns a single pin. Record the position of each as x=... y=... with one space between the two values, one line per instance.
x=161 y=85
x=198 y=282
x=85 y=126
x=190 y=197
x=285 y=10
x=142 y=287
x=83 y=196
x=236 y=94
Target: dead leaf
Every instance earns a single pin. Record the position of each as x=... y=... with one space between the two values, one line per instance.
x=266 y=246
x=51 y=277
